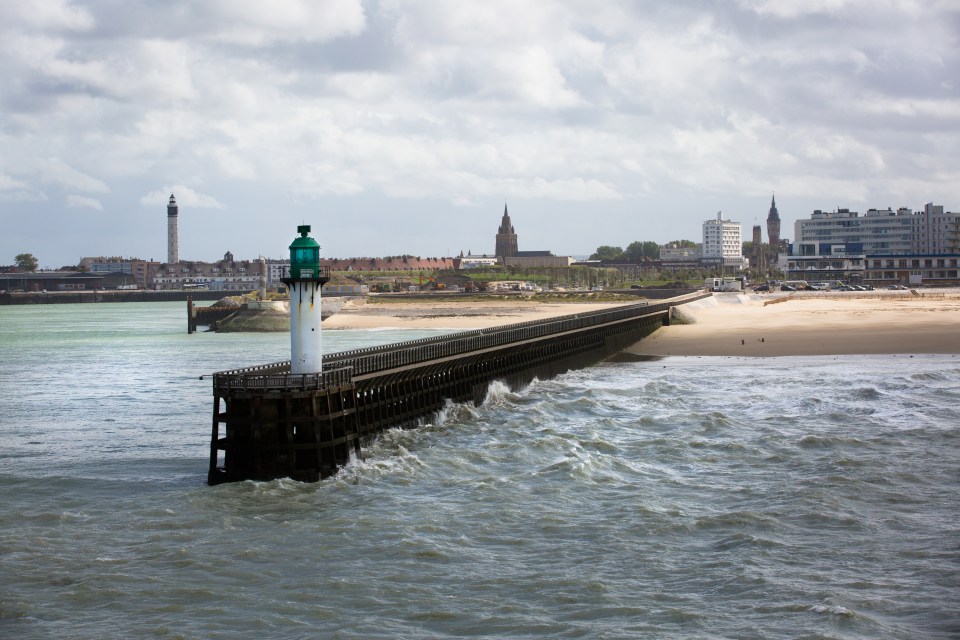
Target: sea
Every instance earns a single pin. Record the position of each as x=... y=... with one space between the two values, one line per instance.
x=800 y=497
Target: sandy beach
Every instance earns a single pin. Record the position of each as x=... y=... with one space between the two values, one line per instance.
x=456 y=316
x=778 y=324
x=754 y=325
x=727 y=324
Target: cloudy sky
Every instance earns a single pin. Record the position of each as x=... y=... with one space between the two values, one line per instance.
x=398 y=126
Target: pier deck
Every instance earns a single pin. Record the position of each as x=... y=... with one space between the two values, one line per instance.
x=305 y=426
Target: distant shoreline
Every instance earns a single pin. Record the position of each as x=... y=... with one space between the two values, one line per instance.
x=111 y=295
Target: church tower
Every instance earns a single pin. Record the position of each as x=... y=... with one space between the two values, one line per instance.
x=773 y=225
x=173 y=240
x=506 y=238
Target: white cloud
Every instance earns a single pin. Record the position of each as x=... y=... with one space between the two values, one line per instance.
x=437 y=104
x=7 y=183
x=253 y=22
x=22 y=195
x=57 y=171
x=186 y=197
x=47 y=14
x=75 y=201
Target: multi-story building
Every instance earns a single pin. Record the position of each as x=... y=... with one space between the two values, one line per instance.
x=722 y=244
x=675 y=258
x=914 y=269
x=877 y=231
x=226 y=275
x=103 y=264
x=820 y=262
x=935 y=231
x=882 y=246
x=885 y=231
x=141 y=272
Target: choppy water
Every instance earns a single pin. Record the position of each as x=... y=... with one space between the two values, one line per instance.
x=682 y=498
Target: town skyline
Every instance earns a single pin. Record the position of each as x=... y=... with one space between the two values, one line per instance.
x=746 y=236
x=398 y=128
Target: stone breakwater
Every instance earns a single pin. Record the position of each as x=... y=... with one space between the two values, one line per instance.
x=269 y=316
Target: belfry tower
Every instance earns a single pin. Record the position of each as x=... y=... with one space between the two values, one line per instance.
x=773 y=225
x=173 y=239
x=506 y=237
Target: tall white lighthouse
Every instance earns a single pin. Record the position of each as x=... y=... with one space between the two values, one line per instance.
x=304 y=282
x=173 y=239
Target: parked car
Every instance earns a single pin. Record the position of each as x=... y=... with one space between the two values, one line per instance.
x=787 y=287
x=762 y=287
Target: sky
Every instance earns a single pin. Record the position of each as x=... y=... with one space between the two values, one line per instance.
x=404 y=127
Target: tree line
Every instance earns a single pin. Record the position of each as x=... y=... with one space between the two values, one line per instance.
x=636 y=252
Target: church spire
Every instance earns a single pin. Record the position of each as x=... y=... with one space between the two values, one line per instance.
x=506 y=245
x=505 y=225
x=773 y=223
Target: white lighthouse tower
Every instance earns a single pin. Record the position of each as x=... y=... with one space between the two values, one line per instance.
x=304 y=282
x=173 y=239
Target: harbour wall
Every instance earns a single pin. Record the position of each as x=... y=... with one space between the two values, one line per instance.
x=133 y=295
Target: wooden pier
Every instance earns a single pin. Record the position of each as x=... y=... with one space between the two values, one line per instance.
x=206 y=316
x=268 y=423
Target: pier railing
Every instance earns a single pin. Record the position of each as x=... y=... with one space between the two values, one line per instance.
x=401 y=354
x=272 y=377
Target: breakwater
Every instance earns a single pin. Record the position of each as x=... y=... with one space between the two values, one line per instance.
x=269 y=423
x=137 y=295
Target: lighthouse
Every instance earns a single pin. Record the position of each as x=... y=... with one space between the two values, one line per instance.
x=173 y=241
x=304 y=282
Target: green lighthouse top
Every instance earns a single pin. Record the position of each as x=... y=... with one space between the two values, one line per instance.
x=305 y=256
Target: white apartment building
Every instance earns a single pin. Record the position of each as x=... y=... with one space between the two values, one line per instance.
x=883 y=231
x=935 y=231
x=722 y=243
x=877 y=231
x=882 y=246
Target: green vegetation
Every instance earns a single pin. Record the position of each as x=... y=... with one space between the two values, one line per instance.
x=606 y=252
x=25 y=262
x=636 y=252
